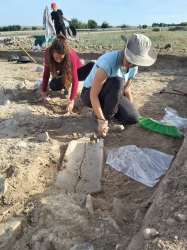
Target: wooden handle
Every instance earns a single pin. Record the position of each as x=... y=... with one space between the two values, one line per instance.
x=26 y=53
x=180 y=91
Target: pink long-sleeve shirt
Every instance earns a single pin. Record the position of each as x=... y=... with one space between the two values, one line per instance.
x=75 y=63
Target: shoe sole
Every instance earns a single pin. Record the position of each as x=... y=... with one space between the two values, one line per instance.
x=121 y=128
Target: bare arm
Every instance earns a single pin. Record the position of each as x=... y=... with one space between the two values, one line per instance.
x=67 y=20
x=127 y=90
x=46 y=76
x=97 y=85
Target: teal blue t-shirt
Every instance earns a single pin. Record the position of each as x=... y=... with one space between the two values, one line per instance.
x=111 y=64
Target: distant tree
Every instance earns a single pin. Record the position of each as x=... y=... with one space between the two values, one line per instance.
x=155 y=25
x=11 y=28
x=124 y=26
x=144 y=26
x=1 y=29
x=85 y=26
x=92 y=24
x=78 y=24
x=169 y=24
x=25 y=28
x=75 y=23
x=34 y=28
x=105 y=25
x=18 y=27
x=14 y=28
x=183 y=24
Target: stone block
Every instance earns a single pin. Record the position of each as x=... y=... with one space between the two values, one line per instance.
x=81 y=167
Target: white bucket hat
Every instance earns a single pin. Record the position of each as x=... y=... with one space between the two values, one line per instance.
x=138 y=50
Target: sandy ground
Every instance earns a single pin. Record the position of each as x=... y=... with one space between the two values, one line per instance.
x=36 y=215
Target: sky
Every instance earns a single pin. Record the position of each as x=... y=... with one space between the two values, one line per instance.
x=114 y=12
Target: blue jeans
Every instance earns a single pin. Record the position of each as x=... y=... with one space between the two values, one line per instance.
x=113 y=103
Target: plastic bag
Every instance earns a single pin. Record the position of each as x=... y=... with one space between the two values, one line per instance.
x=83 y=246
x=36 y=47
x=38 y=84
x=144 y=165
x=171 y=117
x=39 y=69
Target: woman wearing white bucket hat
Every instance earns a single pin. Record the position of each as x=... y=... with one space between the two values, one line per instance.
x=107 y=87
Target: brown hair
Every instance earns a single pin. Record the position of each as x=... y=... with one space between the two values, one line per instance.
x=61 y=46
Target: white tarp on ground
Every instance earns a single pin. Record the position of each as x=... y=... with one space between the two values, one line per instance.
x=144 y=165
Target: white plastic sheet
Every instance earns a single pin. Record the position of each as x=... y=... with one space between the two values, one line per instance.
x=38 y=84
x=83 y=246
x=36 y=47
x=143 y=165
x=171 y=117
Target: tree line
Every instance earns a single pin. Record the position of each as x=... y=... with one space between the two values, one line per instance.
x=91 y=24
x=164 y=24
x=16 y=28
x=10 y=28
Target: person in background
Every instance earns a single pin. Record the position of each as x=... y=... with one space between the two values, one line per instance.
x=66 y=69
x=107 y=89
x=58 y=18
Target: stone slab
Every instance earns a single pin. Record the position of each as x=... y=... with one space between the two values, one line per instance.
x=9 y=229
x=82 y=167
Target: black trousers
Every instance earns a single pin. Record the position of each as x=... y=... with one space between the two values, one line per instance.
x=113 y=103
x=57 y=85
x=61 y=28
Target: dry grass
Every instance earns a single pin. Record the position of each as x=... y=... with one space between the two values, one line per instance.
x=178 y=39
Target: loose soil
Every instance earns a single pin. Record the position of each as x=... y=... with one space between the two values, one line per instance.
x=49 y=218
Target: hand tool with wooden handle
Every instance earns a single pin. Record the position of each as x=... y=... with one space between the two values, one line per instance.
x=26 y=53
x=182 y=92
